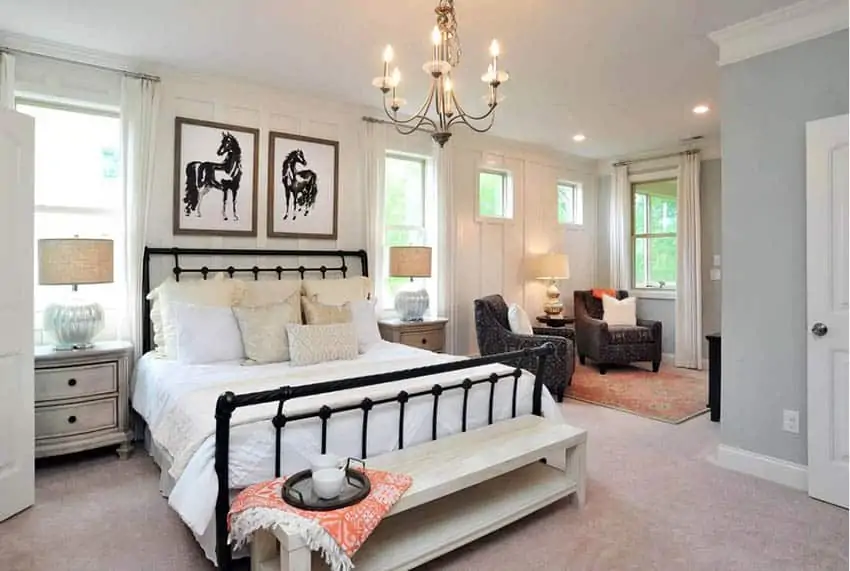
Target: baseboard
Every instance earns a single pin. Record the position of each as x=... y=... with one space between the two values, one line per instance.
x=765 y=467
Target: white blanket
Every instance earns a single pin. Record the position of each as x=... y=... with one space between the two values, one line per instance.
x=178 y=403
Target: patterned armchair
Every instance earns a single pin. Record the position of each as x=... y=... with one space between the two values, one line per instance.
x=495 y=336
x=615 y=344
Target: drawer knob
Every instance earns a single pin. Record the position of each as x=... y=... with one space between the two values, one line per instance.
x=424 y=341
x=72 y=382
x=72 y=419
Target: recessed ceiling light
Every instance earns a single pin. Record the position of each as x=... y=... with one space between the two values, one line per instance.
x=578 y=138
x=701 y=109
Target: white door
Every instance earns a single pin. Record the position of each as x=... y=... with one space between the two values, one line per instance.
x=17 y=484
x=827 y=251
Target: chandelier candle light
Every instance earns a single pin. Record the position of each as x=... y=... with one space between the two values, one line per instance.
x=447 y=110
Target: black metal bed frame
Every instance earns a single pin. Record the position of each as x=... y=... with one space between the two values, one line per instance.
x=228 y=402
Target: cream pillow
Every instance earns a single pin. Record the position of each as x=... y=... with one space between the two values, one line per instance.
x=263 y=331
x=518 y=320
x=316 y=313
x=311 y=344
x=338 y=291
x=218 y=291
x=267 y=292
x=619 y=311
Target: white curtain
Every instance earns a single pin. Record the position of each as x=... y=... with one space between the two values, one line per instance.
x=139 y=114
x=374 y=147
x=7 y=81
x=689 y=272
x=620 y=229
x=446 y=268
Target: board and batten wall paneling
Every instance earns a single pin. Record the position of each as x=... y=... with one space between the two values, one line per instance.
x=492 y=256
x=267 y=109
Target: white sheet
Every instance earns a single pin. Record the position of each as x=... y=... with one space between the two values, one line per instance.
x=161 y=384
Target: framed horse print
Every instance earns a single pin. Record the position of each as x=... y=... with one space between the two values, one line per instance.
x=215 y=178
x=303 y=187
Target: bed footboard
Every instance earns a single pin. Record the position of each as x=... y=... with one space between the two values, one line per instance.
x=228 y=402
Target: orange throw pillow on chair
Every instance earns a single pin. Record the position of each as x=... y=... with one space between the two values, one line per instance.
x=599 y=292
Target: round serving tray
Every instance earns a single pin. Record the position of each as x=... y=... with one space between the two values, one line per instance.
x=298 y=491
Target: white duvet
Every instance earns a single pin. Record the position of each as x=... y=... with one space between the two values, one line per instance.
x=178 y=403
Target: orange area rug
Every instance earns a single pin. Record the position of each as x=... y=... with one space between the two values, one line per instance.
x=672 y=395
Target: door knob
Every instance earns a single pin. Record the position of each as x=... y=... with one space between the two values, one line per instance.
x=819 y=329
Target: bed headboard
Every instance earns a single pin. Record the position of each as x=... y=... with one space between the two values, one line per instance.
x=277 y=263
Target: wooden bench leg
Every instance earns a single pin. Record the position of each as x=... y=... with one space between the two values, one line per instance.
x=269 y=554
x=577 y=470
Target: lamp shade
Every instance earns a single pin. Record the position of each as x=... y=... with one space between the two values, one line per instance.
x=551 y=266
x=74 y=261
x=410 y=261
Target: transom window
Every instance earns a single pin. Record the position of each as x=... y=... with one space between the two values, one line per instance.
x=570 y=204
x=495 y=195
x=654 y=222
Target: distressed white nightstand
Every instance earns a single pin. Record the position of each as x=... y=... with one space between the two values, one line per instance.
x=429 y=333
x=82 y=399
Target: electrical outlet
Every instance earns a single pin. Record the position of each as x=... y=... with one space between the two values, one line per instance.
x=791 y=421
x=714 y=274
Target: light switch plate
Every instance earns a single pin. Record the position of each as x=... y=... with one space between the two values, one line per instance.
x=714 y=274
x=716 y=260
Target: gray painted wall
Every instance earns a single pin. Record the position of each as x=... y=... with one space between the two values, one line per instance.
x=664 y=310
x=766 y=102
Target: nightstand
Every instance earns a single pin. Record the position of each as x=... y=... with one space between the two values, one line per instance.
x=429 y=333
x=82 y=399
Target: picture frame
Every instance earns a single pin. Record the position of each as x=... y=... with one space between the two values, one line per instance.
x=303 y=187
x=222 y=161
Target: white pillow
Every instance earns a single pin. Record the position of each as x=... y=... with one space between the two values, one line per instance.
x=365 y=323
x=518 y=320
x=311 y=344
x=337 y=291
x=205 y=334
x=218 y=291
x=619 y=311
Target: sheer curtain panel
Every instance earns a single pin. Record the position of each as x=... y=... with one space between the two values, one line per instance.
x=689 y=266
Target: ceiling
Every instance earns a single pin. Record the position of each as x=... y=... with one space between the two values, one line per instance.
x=626 y=73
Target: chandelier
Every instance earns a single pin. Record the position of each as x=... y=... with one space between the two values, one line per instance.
x=447 y=110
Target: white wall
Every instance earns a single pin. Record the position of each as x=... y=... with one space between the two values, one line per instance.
x=488 y=258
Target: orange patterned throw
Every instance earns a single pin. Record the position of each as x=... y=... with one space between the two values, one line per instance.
x=599 y=292
x=338 y=534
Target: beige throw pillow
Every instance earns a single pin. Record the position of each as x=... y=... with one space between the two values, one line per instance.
x=316 y=313
x=268 y=291
x=311 y=344
x=263 y=330
x=619 y=311
x=338 y=291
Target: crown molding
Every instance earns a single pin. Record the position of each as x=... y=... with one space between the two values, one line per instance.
x=794 y=24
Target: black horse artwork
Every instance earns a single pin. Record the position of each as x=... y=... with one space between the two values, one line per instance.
x=300 y=185
x=201 y=177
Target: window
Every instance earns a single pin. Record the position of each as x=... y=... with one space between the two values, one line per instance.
x=570 y=204
x=78 y=191
x=406 y=216
x=495 y=195
x=654 y=216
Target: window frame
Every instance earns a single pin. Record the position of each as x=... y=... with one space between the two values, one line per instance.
x=578 y=203
x=633 y=183
x=508 y=203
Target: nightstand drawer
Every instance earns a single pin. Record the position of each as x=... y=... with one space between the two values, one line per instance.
x=72 y=419
x=430 y=339
x=75 y=382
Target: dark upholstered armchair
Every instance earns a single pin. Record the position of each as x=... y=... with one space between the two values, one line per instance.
x=615 y=344
x=495 y=336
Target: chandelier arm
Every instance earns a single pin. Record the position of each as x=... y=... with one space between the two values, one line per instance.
x=463 y=113
x=408 y=130
x=463 y=119
x=423 y=109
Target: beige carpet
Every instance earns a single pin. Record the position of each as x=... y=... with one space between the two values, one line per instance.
x=654 y=503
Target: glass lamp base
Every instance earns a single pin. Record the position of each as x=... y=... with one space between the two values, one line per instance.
x=411 y=303
x=73 y=323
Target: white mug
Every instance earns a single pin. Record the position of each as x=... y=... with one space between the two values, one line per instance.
x=323 y=462
x=327 y=482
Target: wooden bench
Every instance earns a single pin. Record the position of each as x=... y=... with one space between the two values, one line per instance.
x=464 y=487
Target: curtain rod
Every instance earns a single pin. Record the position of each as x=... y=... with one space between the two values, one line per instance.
x=667 y=156
x=16 y=51
x=367 y=119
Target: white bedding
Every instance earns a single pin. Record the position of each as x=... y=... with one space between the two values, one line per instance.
x=168 y=394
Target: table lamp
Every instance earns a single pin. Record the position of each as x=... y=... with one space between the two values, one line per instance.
x=552 y=267
x=75 y=320
x=411 y=302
